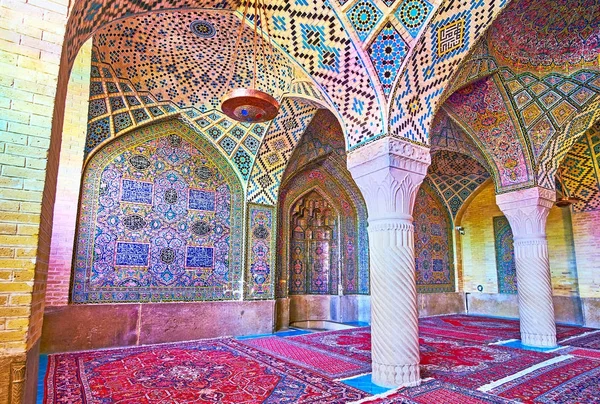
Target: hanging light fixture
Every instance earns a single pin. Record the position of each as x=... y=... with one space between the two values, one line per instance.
x=565 y=200
x=251 y=104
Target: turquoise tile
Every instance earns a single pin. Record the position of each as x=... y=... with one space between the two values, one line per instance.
x=517 y=344
x=43 y=367
x=365 y=384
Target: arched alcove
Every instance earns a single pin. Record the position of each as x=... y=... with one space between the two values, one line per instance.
x=159 y=220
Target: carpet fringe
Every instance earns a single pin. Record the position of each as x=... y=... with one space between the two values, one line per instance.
x=585 y=334
x=504 y=341
x=487 y=387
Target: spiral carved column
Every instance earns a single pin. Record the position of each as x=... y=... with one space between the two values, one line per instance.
x=527 y=211
x=389 y=173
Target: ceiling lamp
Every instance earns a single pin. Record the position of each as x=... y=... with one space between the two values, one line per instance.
x=565 y=200
x=250 y=104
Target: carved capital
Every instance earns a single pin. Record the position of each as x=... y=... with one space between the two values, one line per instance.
x=389 y=172
x=389 y=152
x=527 y=211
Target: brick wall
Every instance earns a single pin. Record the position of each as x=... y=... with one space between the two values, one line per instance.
x=30 y=48
x=478 y=249
x=31 y=36
x=586 y=232
x=69 y=176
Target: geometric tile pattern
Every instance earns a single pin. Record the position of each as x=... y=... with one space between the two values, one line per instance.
x=280 y=141
x=483 y=112
x=478 y=65
x=434 y=267
x=505 y=256
x=581 y=171
x=454 y=29
x=456 y=176
x=133 y=108
x=322 y=137
x=546 y=35
x=447 y=135
x=557 y=147
x=307 y=89
x=412 y=14
x=309 y=32
x=387 y=51
x=162 y=54
x=363 y=16
x=314 y=37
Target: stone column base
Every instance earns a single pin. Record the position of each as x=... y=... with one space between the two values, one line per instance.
x=395 y=376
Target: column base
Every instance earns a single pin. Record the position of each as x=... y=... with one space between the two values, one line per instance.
x=538 y=340
x=395 y=375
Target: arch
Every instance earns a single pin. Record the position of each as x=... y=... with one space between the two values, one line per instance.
x=357 y=103
x=161 y=210
x=446 y=41
x=314 y=244
x=580 y=171
x=455 y=176
x=558 y=146
x=495 y=130
x=283 y=136
x=434 y=256
x=329 y=178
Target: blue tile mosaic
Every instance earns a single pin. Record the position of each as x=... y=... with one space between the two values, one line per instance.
x=136 y=191
x=201 y=200
x=199 y=257
x=132 y=254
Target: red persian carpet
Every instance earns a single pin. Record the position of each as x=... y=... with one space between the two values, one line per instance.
x=585 y=341
x=437 y=392
x=581 y=352
x=473 y=328
x=473 y=365
x=568 y=382
x=453 y=361
x=354 y=343
x=208 y=371
x=329 y=364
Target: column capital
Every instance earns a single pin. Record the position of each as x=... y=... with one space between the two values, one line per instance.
x=527 y=211
x=389 y=152
x=389 y=172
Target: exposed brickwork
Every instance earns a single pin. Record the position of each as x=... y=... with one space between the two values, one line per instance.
x=69 y=173
x=586 y=234
x=478 y=251
x=31 y=37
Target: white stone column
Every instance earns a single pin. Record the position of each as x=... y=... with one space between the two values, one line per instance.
x=527 y=211
x=389 y=172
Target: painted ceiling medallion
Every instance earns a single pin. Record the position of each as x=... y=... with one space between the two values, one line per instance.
x=251 y=104
x=203 y=29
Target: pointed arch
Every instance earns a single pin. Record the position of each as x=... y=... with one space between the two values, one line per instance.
x=160 y=219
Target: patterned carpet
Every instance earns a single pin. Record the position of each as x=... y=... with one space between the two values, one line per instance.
x=591 y=340
x=453 y=361
x=329 y=364
x=485 y=329
x=302 y=369
x=438 y=392
x=582 y=352
x=571 y=381
x=473 y=365
x=220 y=370
x=354 y=343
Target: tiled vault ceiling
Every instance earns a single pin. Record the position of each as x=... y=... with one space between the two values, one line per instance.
x=185 y=57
